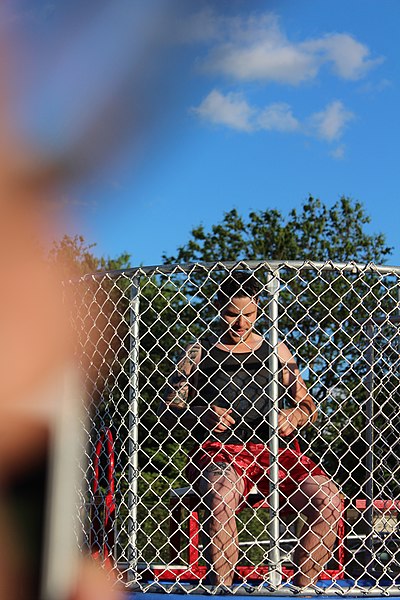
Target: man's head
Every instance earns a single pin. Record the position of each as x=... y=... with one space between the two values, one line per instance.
x=239 y=284
x=237 y=302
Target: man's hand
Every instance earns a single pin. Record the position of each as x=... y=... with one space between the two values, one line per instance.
x=216 y=419
x=289 y=420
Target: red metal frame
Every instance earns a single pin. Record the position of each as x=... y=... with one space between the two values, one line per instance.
x=194 y=571
x=103 y=513
x=382 y=505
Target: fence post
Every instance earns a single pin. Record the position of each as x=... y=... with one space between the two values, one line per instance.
x=133 y=426
x=369 y=441
x=273 y=500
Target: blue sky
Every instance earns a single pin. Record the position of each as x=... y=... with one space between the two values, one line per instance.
x=251 y=105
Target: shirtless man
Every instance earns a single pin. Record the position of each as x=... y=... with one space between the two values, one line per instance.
x=219 y=393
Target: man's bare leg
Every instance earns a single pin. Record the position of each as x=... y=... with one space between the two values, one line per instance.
x=318 y=499
x=221 y=489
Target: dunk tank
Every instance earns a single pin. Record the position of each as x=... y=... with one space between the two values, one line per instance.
x=138 y=513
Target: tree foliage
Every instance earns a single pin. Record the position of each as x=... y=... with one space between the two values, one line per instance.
x=74 y=258
x=315 y=232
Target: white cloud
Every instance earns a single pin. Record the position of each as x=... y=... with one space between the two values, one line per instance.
x=265 y=61
x=257 y=49
x=351 y=59
x=330 y=122
x=278 y=117
x=230 y=110
x=233 y=111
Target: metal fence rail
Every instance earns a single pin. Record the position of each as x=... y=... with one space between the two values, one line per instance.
x=340 y=321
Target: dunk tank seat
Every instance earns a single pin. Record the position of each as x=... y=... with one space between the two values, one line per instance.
x=186 y=499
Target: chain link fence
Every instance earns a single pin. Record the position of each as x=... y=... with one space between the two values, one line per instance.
x=340 y=322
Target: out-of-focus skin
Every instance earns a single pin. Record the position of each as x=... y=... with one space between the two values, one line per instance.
x=35 y=347
x=34 y=340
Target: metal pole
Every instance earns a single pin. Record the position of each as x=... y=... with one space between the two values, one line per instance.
x=369 y=439
x=273 y=500
x=133 y=426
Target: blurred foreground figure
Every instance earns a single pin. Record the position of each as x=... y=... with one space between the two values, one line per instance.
x=39 y=391
x=36 y=364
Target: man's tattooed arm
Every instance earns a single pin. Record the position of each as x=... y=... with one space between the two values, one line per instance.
x=177 y=390
x=175 y=395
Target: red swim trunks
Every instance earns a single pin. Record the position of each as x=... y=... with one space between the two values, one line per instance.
x=252 y=462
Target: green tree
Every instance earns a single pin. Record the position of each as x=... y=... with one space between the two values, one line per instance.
x=316 y=233
x=74 y=257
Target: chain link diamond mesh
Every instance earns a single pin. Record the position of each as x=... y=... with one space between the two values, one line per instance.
x=340 y=321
